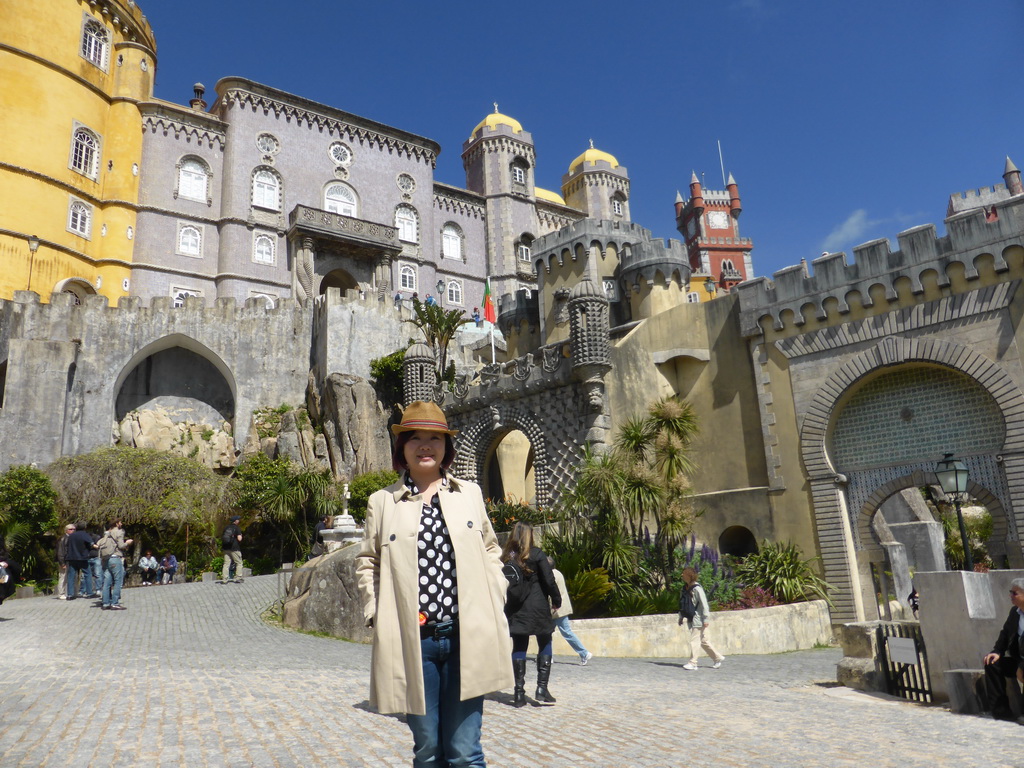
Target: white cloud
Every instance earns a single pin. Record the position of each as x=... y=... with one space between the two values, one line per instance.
x=850 y=232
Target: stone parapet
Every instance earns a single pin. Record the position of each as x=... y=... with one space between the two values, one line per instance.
x=781 y=628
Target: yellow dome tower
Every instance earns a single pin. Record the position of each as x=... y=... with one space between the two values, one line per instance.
x=69 y=166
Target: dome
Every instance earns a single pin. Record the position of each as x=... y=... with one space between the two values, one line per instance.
x=495 y=119
x=419 y=351
x=547 y=194
x=591 y=156
x=584 y=289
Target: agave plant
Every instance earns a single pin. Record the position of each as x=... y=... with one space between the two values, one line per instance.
x=781 y=569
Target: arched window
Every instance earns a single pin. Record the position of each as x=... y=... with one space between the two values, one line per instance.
x=85 y=149
x=407 y=278
x=79 y=218
x=455 y=292
x=339 y=198
x=617 y=207
x=524 y=249
x=693 y=297
x=266 y=190
x=263 y=247
x=407 y=224
x=192 y=178
x=95 y=41
x=727 y=265
x=519 y=171
x=451 y=241
x=190 y=241
x=178 y=295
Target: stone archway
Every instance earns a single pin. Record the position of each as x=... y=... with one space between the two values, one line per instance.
x=182 y=376
x=508 y=468
x=840 y=534
x=338 y=278
x=477 y=441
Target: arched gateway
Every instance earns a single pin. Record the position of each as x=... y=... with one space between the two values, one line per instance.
x=877 y=426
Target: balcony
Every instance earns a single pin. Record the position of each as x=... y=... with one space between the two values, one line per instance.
x=360 y=237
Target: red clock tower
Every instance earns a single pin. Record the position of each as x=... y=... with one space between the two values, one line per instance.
x=709 y=224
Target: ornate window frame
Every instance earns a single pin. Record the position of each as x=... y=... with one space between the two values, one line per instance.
x=94 y=45
x=185 y=227
x=181 y=189
x=266 y=194
x=341 y=185
x=340 y=153
x=179 y=293
x=262 y=242
x=453 y=238
x=408 y=226
x=519 y=171
x=79 y=220
x=454 y=292
x=408 y=279
x=85 y=152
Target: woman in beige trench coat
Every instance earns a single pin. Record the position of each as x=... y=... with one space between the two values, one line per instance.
x=430 y=575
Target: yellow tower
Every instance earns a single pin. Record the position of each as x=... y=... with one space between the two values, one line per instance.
x=73 y=73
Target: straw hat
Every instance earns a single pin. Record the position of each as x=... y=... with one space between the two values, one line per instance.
x=423 y=415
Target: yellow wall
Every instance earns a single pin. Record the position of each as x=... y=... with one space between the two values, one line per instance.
x=46 y=89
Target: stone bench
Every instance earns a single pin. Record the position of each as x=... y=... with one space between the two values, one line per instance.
x=963 y=698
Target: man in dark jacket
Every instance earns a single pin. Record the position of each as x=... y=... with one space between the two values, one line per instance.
x=232 y=542
x=78 y=553
x=1006 y=659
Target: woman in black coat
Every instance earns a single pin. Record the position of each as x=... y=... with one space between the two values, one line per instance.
x=532 y=613
x=11 y=570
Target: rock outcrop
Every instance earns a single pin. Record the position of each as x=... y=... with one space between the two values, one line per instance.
x=323 y=597
x=153 y=428
x=355 y=425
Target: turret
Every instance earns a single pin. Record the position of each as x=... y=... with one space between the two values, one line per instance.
x=679 y=204
x=1012 y=178
x=735 y=208
x=197 y=103
x=419 y=373
x=696 y=194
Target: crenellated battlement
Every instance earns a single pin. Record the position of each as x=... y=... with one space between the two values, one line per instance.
x=644 y=261
x=546 y=368
x=802 y=290
x=575 y=240
x=977 y=198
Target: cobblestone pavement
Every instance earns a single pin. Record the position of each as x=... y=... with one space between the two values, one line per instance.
x=190 y=675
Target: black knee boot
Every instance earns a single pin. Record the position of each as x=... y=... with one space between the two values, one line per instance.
x=519 y=670
x=543 y=675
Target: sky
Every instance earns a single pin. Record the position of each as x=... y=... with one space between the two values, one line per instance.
x=841 y=122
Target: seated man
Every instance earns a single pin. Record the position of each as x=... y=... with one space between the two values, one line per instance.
x=1005 y=660
x=167 y=568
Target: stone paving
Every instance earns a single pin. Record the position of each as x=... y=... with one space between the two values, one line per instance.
x=190 y=675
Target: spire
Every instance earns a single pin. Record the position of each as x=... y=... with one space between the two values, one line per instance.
x=591 y=143
x=1012 y=178
x=679 y=196
x=495 y=107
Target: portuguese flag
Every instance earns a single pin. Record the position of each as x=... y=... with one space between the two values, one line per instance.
x=489 y=314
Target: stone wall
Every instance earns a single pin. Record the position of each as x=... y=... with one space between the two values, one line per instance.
x=781 y=628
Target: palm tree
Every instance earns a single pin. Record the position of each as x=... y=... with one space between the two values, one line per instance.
x=439 y=327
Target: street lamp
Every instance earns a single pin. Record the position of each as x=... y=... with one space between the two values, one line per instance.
x=440 y=291
x=33 y=246
x=709 y=286
x=952 y=476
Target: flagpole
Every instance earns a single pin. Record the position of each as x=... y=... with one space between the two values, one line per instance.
x=492 y=343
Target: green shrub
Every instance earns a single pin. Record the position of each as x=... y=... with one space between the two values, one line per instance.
x=780 y=569
x=365 y=485
x=587 y=589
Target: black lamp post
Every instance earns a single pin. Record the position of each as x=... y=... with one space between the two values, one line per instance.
x=33 y=246
x=440 y=291
x=952 y=476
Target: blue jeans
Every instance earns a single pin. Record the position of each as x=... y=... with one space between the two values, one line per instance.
x=449 y=733
x=96 y=567
x=113 y=580
x=76 y=567
x=570 y=637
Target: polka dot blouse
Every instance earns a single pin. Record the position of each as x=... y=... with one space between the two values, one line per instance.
x=438 y=586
